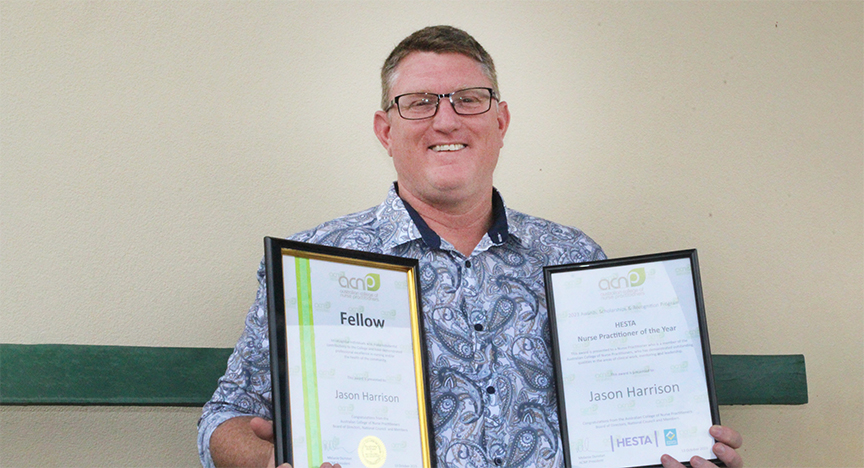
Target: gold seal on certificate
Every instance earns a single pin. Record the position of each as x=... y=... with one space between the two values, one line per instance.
x=372 y=452
x=632 y=361
x=347 y=358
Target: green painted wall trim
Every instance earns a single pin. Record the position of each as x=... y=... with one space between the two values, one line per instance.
x=760 y=379
x=52 y=374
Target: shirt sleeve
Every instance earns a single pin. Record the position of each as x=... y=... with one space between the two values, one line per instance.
x=245 y=389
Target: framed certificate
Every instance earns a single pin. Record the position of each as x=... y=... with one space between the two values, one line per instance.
x=347 y=358
x=632 y=361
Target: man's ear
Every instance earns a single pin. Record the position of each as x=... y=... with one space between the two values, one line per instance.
x=503 y=119
x=382 y=129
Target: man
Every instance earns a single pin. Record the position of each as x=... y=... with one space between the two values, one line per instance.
x=484 y=307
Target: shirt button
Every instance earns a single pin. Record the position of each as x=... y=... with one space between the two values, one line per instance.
x=478 y=326
x=498 y=461
x=467 y=263
x=490 y=390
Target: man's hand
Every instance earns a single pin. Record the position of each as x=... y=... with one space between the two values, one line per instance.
x=235 y=444
x=264 y=430
x=728 y=441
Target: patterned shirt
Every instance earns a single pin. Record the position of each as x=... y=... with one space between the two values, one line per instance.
x=491 y=385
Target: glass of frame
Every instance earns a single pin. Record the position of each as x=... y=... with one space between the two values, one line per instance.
x=347 y=357
x=632 y=360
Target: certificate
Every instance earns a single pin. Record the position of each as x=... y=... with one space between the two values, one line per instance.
x=632 y=361
x=347 y=358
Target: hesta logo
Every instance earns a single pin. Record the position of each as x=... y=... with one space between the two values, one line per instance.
x=370 y=282
x=634 y=277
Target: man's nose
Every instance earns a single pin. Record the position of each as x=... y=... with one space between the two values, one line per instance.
x=446 y=119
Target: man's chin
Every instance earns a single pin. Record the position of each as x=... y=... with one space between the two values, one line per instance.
x=452 y=193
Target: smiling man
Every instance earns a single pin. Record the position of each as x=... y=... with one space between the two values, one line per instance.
x=445 y=155
x=481 y=267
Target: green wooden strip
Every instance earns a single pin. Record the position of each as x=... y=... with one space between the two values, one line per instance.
x=51 y=374
x=760 y=380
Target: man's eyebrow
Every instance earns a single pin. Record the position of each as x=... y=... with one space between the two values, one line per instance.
x=460 y=88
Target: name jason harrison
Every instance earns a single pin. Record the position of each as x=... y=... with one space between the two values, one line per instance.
x=366 y=396
x=634 y=392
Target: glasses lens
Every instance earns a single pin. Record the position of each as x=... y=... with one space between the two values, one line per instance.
x=417 y=105
x=472 y=101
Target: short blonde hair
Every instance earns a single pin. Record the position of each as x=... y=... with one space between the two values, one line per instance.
x=439 y=39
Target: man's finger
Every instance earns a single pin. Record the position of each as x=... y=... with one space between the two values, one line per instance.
x=728 y=455
x=669 y=462
x=262 y=428
x=726 y=435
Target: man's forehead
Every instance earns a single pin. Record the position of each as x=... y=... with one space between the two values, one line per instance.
x=429 y=71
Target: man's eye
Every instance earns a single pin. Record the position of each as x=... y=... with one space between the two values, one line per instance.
x=469 y=99
x=423 y=103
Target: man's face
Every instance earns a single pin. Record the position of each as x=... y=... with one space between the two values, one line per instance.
x=449 y=158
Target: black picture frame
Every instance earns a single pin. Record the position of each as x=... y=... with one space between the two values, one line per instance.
x=275 y=250
x=569 y=339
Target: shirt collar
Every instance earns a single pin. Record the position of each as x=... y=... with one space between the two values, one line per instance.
x=498 y=233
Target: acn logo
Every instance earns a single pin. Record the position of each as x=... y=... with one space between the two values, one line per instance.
x=370 y=282
x=635 y=277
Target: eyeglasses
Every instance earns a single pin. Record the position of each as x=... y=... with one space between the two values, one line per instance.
x=419 y=106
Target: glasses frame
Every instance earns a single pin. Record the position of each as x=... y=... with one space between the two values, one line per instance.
x=449 y=96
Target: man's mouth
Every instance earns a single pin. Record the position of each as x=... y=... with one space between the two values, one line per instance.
x=450 y=147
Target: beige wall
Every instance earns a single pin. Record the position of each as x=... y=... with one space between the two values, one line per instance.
x=147 y=147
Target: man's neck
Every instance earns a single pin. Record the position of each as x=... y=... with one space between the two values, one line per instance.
x=462 y=224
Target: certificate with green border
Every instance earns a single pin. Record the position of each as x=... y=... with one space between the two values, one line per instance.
x=347 y=358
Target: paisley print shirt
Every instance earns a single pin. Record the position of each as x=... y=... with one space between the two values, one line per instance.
x=487 y=332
